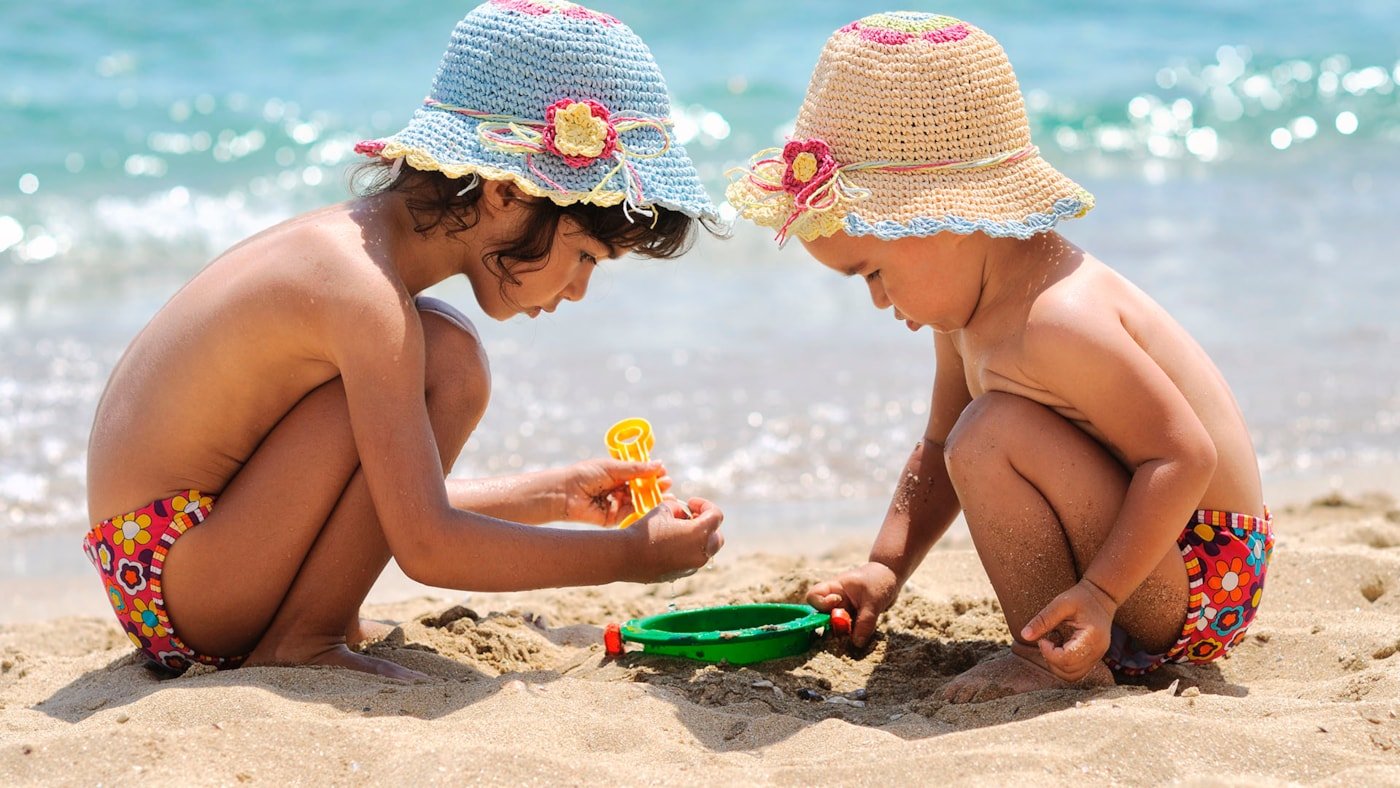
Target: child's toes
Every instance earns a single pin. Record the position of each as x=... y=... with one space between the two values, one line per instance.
x=956 y=691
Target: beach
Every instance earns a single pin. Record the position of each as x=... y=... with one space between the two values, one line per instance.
x=522 y=693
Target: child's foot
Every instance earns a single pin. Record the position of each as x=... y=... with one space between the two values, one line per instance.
x=337 y=655
x=365 y=631
x=1011 y=674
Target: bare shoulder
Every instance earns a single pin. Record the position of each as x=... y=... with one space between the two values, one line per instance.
x=1084 y=307
x=1096 y=319
x=322 y=269
x=325 y=251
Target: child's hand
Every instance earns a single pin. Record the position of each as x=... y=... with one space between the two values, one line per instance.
x=865 y=592
x=1081 y=618
x=595 y=491
x=671 y=542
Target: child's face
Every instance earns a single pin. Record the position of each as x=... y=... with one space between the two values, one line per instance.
x=915 y=276
x=564 y=276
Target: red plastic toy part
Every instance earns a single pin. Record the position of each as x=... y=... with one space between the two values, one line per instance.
x=840 y=621
x=612 y=640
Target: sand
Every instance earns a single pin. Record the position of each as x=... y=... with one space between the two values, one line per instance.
x=522 y=692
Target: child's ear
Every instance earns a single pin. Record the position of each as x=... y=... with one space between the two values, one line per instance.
x=502 y=196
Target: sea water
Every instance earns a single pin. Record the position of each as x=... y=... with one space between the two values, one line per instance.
x=1244 y=156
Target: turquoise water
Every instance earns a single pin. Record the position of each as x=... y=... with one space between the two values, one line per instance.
x=1244 y=157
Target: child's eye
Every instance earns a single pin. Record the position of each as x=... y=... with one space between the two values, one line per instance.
x=872 y=276
x=585 y=257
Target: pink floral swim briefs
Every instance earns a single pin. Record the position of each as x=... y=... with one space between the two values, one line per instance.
x=129 y=553
x=1227 y=556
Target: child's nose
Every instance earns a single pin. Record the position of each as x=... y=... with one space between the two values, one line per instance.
x=579 y=286
x=877 y=294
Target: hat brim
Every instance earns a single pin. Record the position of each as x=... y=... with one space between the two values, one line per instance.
x=1015 y=200
x=1012 y=200
x=449 y=143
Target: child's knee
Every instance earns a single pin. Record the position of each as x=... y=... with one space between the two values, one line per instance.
x=986 y=429
x=457 y=378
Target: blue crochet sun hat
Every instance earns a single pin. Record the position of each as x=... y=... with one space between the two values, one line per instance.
x=563 y=101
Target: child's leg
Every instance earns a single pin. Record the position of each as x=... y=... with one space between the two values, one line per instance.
x=281 y=565
x=1040 y=497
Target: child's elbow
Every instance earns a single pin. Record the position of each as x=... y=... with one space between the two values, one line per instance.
x=424 y=566
x=1198 y=458
x=418 y=560
x=418 y=569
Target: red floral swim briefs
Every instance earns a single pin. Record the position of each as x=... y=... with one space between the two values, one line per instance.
x=129 y=553
x=1227 y=556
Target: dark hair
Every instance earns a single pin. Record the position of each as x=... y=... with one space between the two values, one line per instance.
x=435 y=200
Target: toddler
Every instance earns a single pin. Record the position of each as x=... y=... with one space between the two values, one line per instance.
x=1099 y=457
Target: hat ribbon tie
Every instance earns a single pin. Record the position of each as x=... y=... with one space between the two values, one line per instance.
x=579 y=132
x=806 y=171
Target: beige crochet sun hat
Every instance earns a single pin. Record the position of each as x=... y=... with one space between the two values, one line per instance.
x=913 y=124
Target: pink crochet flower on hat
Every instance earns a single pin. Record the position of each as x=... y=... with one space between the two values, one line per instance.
x=807 y=165
x=579 y=132
x=547 y=7
x=369 y=147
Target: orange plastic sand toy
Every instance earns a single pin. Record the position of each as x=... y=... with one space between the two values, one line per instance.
x=631 y=440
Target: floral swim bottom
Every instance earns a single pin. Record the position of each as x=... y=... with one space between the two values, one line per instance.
x=1227 y=556
x=129 y=553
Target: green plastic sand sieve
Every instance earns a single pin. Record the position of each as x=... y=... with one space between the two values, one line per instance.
x=737 y=634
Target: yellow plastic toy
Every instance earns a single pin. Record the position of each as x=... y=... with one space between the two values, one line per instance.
x=631 y=440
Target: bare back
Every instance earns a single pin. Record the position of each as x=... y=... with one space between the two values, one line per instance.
x=219 y=365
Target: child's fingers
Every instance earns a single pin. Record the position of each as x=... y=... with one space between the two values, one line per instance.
x=1047 y=619
x=715 y=543
x=709 y=519
x=701 y=508
x=1067 y=662
x=1054 y=657
x=702 y=515
x=864 y=626
x=623 y=471
x=669 y=498
x=825 y=595
x=1066 y=665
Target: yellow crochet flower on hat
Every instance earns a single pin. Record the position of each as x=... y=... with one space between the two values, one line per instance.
x=804 y=166
x=579 y=131
x=767 y=208
x=797 y=192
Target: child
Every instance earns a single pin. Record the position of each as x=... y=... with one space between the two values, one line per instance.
x=1099 y=457
x=294 y=408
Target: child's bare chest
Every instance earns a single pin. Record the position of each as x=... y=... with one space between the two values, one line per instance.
x=996 y=362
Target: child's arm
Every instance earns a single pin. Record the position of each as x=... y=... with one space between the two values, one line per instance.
x=923 y=507
x=373 y=335
x=592 y=491
x=1100 y=370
